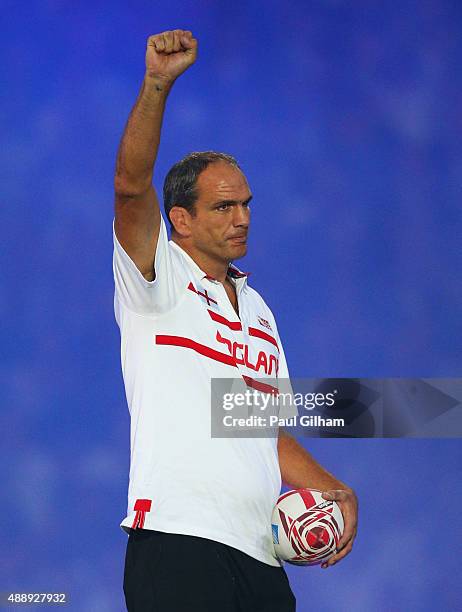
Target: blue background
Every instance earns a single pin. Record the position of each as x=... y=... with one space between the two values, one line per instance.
x=346 y=117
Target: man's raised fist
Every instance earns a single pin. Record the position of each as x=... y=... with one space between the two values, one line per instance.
x=170 y=53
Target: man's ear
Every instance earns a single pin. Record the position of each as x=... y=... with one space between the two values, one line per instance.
x=181 y=221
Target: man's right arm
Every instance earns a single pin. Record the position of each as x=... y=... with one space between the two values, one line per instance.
x=137 y=214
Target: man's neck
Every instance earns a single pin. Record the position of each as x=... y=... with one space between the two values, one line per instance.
x=215 y=268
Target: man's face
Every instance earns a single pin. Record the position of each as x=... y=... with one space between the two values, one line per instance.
x=222 y=215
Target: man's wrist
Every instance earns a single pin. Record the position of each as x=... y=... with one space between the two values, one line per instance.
x=158 y=82
x=340 y=486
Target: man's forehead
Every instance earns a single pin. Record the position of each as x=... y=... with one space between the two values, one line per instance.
x=222 y=179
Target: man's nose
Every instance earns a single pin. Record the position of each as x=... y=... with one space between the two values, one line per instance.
x=241 y=215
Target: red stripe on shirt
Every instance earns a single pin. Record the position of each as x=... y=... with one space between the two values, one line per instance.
x=202 y=349
x=234 y=325
x=258 y=333
x=260 y=386
x=141 y=506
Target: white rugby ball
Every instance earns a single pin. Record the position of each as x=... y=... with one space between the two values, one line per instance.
x=306 y=527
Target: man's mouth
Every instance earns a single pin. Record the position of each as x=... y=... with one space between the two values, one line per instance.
x=239 y=238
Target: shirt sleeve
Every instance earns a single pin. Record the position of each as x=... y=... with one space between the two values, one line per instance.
x=136 y=293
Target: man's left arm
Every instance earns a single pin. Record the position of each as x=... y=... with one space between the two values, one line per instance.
x=300 y=471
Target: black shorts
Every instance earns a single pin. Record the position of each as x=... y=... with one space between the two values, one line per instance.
x=168 y=572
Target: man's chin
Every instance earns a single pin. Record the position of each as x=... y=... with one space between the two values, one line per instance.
x=237 y=251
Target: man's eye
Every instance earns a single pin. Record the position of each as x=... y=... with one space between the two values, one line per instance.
x=223 y=207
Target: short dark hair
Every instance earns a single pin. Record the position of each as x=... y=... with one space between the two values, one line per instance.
x=181 y=180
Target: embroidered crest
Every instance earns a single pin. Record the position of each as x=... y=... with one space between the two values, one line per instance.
x=264 y=322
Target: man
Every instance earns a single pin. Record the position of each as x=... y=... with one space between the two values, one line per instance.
x=199 y=508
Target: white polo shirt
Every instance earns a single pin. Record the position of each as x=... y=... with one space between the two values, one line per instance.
x=178 y=332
